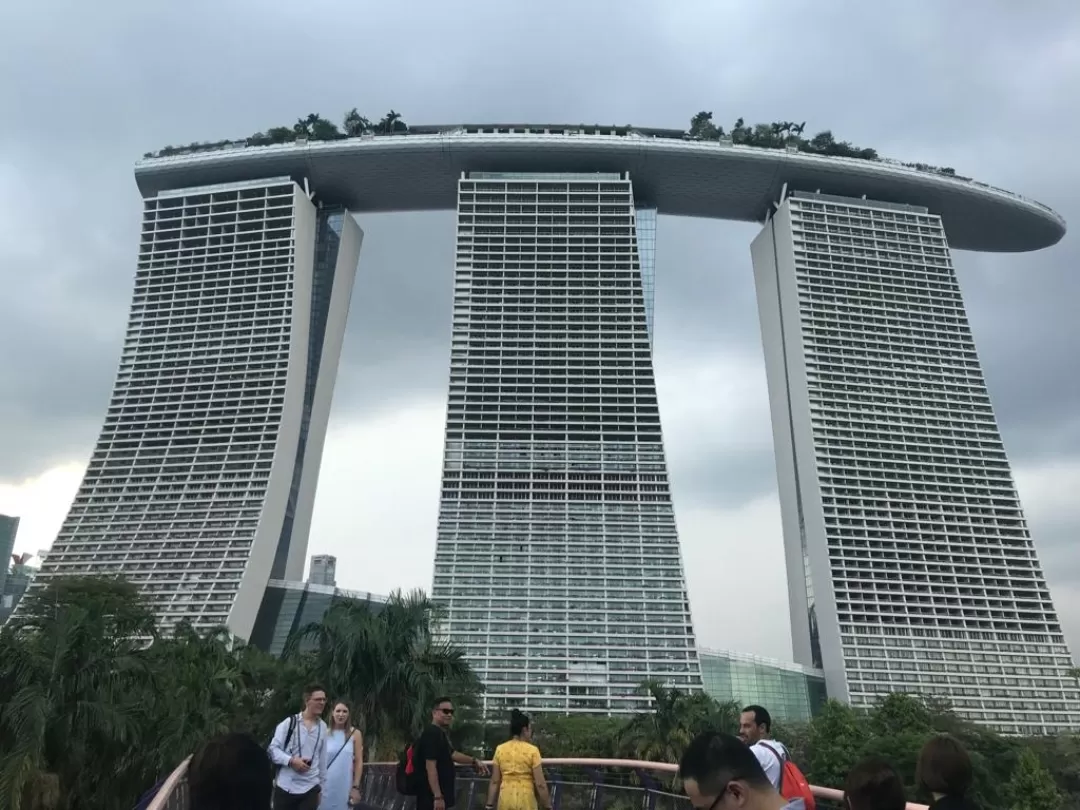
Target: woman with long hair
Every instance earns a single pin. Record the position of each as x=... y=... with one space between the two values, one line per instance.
x=344 y=761
x=516 y=776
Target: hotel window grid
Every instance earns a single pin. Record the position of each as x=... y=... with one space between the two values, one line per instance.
x=937 y=586
x=178 y=483
x=557 y=556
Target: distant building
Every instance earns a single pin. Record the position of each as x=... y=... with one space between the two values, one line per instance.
x=9 y=527
x=791 y=692
x=289 y=606
x=323 y=570
x=14 y=580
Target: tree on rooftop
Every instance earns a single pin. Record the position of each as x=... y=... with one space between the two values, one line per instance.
x=317 y=128
x=355 y=124
x=391 y=123
x=703 y=128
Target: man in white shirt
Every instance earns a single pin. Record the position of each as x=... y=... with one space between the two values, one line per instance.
x=298 y=749
x=755 y=725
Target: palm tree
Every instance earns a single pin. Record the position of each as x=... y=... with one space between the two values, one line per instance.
x=676 y=717
x=74 y=674
x=391 y=123
x=355 y=124
x=215 y=683
x=386 y=661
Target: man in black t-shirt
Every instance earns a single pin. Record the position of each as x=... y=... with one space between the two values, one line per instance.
x=434 y=757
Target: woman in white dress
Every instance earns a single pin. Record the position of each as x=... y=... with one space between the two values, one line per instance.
x=345 y=761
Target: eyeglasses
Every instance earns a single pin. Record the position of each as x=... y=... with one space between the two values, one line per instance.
x=719 y=797
x=447 y=711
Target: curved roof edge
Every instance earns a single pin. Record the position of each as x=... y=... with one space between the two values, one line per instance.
x=678 y=177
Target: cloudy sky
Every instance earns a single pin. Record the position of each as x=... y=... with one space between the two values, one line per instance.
x=86 y=88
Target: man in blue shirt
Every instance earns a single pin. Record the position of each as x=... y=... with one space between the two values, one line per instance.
x=298 y=749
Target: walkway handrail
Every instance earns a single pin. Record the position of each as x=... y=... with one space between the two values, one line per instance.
x=178 y=778
x=664 y=767
x=172 y=785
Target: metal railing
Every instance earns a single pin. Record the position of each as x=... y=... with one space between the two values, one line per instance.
x=575 y=784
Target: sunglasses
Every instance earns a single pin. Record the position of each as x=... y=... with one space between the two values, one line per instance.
x=447 y=711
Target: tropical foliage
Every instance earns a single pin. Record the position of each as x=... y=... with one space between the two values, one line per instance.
x=312 y=127
x=775 y=135
x=1010 y=773
x=95 y=707
x=789 y=135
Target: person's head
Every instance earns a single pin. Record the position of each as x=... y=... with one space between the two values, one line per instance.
x=520 y=725
x=873 y=785
x=944 y=767
x=340 y=716
x=442 y=712
x=755 y=724
x=314 y=701
x=720 y=773
x=230 y=772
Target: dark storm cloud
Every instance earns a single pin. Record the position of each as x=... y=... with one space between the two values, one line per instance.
x=936 y=82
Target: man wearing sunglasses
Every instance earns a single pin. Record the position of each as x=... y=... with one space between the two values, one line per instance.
x=436 y=756
x=720 y=773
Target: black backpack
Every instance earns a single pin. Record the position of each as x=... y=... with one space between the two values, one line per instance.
x=288 y=734
x=409 y=773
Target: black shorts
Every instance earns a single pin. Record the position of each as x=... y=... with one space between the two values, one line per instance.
x=283 y=800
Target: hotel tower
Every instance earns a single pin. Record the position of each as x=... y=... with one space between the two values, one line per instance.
x=201 y=486
x=557 y=558
x=909 y=562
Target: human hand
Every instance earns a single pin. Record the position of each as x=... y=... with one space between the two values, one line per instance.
x=299 y=765
x=480 y=767
x=440 y=802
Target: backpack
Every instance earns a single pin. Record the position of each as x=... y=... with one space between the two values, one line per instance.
x=793 y=784
x=288 y=737
x=408 y=774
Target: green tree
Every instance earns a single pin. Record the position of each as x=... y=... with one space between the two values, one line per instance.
x=835 y=741
x=392 y=123
x=577 y=735
x=215 y=683
x=1031 y=787
x=74 y=678
x=702 y=127
x=355 y=124
x=662 y=734
x=317 y=128
x=386 y=662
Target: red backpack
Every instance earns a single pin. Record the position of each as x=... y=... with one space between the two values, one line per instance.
x=793 y=784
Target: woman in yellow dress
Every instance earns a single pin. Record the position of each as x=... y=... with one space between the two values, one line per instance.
x=516 y=776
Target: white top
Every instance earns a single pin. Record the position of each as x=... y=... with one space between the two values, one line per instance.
x=770 y=763
x=306 y=743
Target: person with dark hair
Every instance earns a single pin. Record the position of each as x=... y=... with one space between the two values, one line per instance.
x=873 y=784
x=755 y=728
x=230 y=772
x=720 y=773
x=298 y=748
x=435 y=757
x=944 y=772
x=516 y=776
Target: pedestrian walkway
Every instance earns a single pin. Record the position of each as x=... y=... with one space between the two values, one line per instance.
x=576 y=784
